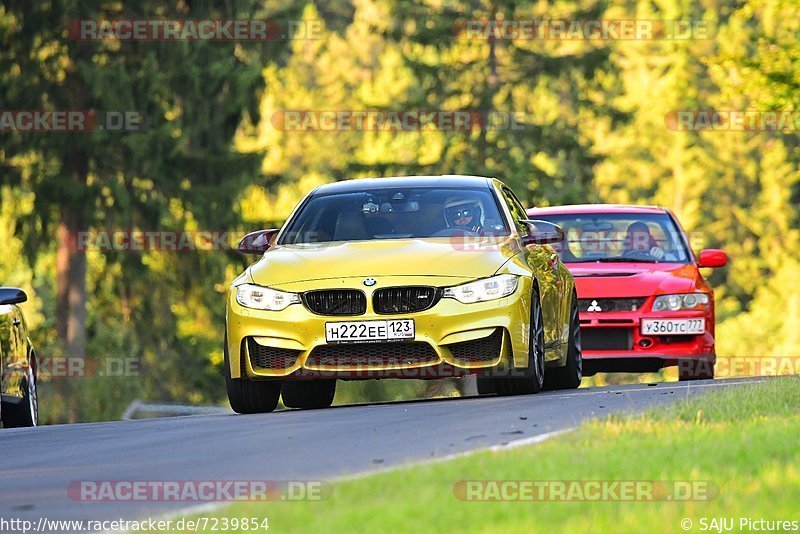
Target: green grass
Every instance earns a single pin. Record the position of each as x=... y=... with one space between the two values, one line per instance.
x=744 y=440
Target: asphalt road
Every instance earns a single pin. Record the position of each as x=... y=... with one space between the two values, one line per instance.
x=37 y=465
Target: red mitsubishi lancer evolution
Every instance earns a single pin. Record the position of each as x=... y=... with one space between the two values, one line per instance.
x=643 y=303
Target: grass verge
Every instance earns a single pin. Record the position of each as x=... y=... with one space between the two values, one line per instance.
x=743 y=440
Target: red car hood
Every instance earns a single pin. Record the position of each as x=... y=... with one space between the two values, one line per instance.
x=603 y=280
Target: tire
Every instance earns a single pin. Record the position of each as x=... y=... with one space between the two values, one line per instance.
x=249 y=396
x=569 y=376
x=695 y=370
x=533 y=375
x=308 y=393
x=26 y=412
x=486 y=385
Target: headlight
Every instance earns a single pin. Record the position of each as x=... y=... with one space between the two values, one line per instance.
x=264 y=298
x=687 y=301
x=492 y=288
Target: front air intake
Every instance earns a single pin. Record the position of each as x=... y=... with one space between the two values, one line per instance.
x=336 y=301
x=405 y=299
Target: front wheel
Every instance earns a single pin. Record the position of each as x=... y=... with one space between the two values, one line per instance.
x=25 y=412
x=249 y=396
x=486 y=385
x=532 y=378
x=569 y=376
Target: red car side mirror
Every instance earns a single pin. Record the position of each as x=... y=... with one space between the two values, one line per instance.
x=257 y=242
x=712 y=257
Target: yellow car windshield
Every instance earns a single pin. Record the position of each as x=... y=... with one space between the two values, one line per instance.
x=395 y=213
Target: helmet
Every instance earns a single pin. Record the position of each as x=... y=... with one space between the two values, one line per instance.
x=464 y=213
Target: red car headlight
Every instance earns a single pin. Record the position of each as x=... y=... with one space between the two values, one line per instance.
x=685 y=301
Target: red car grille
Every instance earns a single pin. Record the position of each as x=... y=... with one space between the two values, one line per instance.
x=607 y=339
x=610 y=305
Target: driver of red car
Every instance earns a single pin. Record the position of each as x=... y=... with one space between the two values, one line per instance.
x=564 y=251
x=638 y=239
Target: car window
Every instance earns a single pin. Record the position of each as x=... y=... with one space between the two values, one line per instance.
x=620 y=237
x=395 y=213
x=517 y=211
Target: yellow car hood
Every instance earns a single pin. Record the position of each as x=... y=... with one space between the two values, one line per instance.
x=450 y=257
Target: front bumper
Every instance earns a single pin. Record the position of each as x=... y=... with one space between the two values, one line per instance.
x=443 y=334
x=618 y=336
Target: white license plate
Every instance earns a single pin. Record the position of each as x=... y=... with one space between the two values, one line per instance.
x=369 y=331
x=673 y=327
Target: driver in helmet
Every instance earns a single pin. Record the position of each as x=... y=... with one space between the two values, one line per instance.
x=464 y=214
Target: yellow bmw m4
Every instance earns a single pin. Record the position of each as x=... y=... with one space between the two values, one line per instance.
x=407 y=277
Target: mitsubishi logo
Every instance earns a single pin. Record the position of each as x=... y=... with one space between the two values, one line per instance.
x=593 y=307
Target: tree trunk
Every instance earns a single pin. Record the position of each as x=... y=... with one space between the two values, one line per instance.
x=71 y=280
x=487 y=98
x=71 y=284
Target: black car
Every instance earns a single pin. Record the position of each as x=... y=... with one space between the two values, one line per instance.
x=20 y=405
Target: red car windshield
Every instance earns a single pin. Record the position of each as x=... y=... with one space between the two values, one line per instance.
x=619 y=237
